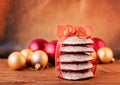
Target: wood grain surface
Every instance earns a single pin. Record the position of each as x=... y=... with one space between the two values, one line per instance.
x=106 y=74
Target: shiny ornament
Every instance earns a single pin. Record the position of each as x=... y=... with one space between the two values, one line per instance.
x=105 y=55
x=94 y=55
x=16 y=60
x=50 y=49
x=37 y=44
x=27 y=54
x=39 y=57
x=98 y=43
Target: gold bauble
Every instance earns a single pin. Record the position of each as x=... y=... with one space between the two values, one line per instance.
x=27 y=54
x=105 y=55
x=94 y=55
x=16 y=60
x=39 y=57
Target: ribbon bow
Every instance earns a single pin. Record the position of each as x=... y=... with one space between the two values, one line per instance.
x=84 y=31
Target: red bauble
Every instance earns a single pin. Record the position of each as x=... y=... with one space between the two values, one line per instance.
x=50 y=49
x=37 y=44
x=98 y=43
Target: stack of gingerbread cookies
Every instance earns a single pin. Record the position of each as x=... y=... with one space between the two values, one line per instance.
x=74 y=62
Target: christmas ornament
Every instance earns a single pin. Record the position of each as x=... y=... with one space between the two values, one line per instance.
x=37 y=44
x=39 y=57
x=105 y=55
x=27 y=54
x=50 y=49
x=16 y=60
x=98 y=43
x=94 y=55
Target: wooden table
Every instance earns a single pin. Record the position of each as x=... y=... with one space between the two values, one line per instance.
x=107 y=74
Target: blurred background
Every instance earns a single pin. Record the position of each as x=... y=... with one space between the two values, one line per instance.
x=21 y=21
